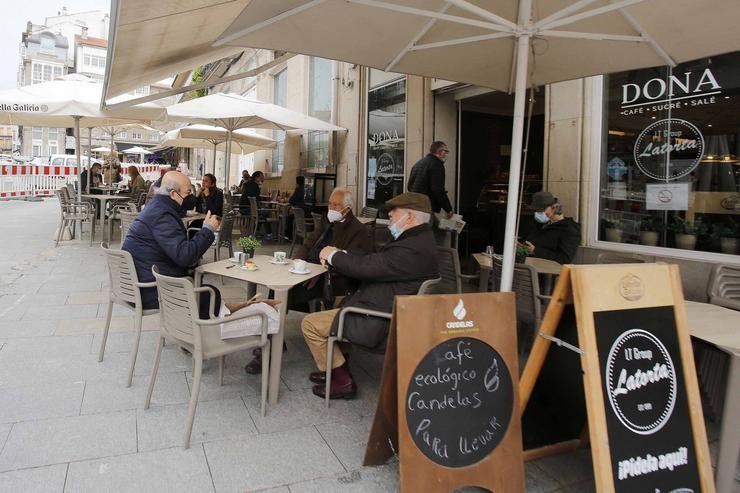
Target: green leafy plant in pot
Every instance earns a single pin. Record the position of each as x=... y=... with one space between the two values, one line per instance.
x=248 y=244
x=686 y=233
x=613 y=230
x=729 y=238
x=522 y=252
x=649 y=231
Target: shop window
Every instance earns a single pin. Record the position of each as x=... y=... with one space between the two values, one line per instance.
x=38 y=133
x=319 y=100
x=318 y=149
x=669 y=173
x=386 y=142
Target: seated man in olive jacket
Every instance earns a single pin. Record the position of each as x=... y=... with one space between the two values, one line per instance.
x=548 y=234
x=398 y=269
x=341 y=229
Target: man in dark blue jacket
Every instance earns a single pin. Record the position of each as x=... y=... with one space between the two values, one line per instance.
x=158 y=236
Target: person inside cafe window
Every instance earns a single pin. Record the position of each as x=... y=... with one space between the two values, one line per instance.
x=136 y=184
x=547 y=233
x=158 y=237
x=96 y=178
x=398 y=269
x=341 y=229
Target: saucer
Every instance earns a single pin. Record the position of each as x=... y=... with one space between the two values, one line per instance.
x=284 y=262
x=244 y=267
x=235 y=260
x=300 y=272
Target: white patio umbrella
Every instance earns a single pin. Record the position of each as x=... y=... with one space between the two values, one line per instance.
x=205 y=136
x=233 y=112
x=489 y=43
x=101 y=149
x=140 y=151
x=72 y=101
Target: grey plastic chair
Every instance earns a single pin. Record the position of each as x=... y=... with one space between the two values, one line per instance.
x=449 y=269
x=224 y=236
x=299 y=227
x=724 y=286
x=71 y=212
x=369 y=212
x=180 y=322
x=127 y=218
x=425 y=288
x=124 y=291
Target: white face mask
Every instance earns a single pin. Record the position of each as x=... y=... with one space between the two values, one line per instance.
x=334 y=216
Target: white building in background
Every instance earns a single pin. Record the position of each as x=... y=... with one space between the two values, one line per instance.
x=90 y=56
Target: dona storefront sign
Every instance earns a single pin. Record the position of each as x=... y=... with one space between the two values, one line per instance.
x=647 y=415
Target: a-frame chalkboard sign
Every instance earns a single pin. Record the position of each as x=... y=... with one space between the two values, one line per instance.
x=644 y=412
x=449 y=394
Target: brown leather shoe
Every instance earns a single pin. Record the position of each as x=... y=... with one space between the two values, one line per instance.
x=347 y=391
x=318 y=377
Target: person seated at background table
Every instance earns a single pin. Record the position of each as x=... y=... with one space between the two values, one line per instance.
x=96 y=178
x=158 y=237
x=136 y=184
x=251 y=189
x=398 y=269
x=341 y=229
x=547 y=233
x=298 y=197
x=209 y=199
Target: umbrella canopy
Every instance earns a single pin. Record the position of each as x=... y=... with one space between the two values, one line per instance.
x=136 y=150
x=101 y=149
x=232 y=112
x=207 y=136
x=488 y=43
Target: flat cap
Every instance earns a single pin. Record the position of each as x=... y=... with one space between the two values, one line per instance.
x=411 y=200
x=543 y=200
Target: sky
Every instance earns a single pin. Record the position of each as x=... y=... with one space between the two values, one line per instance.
x=14 y=23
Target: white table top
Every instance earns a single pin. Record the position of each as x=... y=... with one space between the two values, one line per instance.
x=267 y=274
x=541 y=265
x=105 y=197
x=714 y=324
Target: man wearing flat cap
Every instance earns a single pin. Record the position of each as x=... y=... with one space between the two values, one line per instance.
x=548 y=234
x=398 y=269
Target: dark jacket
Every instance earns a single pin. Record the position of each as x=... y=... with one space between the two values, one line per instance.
x=350 y=235
x=83 y=180
x=298 y=197
x=398 y=269
x=428 y=177
x=214 y=203
x=158 y=237
x=250 y=189
x=557 y=240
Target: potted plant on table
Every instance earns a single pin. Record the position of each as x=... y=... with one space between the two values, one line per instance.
x=522 y=252
x=649 y=231
x=686 y=233
x=248 y=244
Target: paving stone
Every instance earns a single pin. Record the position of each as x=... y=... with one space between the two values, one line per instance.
x=537 y=480
x=112 y=395
x=171 y=469
x=52 y=441
x=48 y=346
x=88 y=297
x=379 y=479
x=123 y=342
x=27 y=328
x=63 y=312
x=49 y=479
x=568 y=469
x=42 y=400
x=266 y=461
x=347 y=440
x=96 y=325
x=4 y=432
x=164 y=426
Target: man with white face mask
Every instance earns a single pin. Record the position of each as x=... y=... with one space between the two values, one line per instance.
x=548 y=234
x=398 y=269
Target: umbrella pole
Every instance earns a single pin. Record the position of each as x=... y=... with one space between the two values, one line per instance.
x=79 y=169
x=512 y=200
x=214 y=158
x=228 y=159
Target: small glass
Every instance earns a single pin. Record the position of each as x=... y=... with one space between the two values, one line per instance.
x=489 y=250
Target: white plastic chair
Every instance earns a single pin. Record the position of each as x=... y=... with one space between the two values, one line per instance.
x=124 y=291
x=180 y=322
x=423 y=289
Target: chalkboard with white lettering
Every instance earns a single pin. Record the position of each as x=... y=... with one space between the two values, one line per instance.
x=459 y=402
x=644 y=391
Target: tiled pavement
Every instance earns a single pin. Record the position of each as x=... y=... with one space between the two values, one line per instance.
x=68 y=424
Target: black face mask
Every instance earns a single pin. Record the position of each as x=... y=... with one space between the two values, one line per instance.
x=188 y=203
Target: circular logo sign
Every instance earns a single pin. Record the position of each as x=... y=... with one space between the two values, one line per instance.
x=669 y=149
x=631 y=287
x=385 y=169
x=640 y=381
x=459 y=402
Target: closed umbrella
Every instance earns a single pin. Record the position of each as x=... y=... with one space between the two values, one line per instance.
x=205 y=136
x=502 y=44
x=233 y=112
x=73 y=101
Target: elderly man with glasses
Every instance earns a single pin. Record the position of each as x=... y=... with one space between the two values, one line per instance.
x=428 y=177
x=158 y=237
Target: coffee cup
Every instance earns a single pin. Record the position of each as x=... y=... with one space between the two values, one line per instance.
x=300 y=266
x=279 y=257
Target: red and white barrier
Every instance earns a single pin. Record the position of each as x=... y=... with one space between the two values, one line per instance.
x=18 y=180
x=150 y=172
